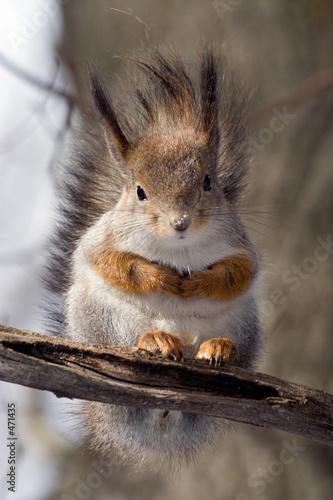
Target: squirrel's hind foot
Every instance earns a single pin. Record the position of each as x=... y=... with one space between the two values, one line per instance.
x=168 y=344
x=218 y=351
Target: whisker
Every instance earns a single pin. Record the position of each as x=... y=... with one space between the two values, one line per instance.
x=265 y=235
x=260 y=223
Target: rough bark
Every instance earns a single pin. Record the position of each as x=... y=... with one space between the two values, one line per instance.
x=134 y=377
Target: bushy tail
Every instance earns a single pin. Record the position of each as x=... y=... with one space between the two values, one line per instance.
x=151 y=439
x=89 y=186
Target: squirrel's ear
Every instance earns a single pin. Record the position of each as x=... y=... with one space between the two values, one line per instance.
x=104 y=106
x=210 y=97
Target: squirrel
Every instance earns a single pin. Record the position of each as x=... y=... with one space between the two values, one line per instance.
x=150 y=250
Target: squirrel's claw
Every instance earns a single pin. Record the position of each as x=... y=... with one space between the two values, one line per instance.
x=217 y=351
x=168 y=344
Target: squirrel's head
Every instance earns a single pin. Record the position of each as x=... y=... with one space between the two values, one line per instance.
x=173 y=182
x=181 y=146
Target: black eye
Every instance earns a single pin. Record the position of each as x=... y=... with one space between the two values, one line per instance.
x=141 y=194
x=207 y=184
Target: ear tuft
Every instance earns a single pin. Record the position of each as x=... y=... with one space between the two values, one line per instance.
x=210 y=98
x=104 y=105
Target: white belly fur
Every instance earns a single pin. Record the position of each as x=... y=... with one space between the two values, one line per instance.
x=194 y=320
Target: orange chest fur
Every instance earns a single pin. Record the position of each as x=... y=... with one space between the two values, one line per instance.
x=130 y=273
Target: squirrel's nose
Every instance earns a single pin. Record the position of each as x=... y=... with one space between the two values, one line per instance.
x=180 y=222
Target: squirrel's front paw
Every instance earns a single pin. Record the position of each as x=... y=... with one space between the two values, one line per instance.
x=168 y=344
x=217 y=351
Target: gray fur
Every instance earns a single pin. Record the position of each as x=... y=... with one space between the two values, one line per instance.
x=95 y=204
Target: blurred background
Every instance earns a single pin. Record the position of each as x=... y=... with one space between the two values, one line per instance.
x=284 y=51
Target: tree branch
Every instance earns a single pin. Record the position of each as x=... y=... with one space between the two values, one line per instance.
x=37 y=82
x=134 y=377
x=309 y=88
